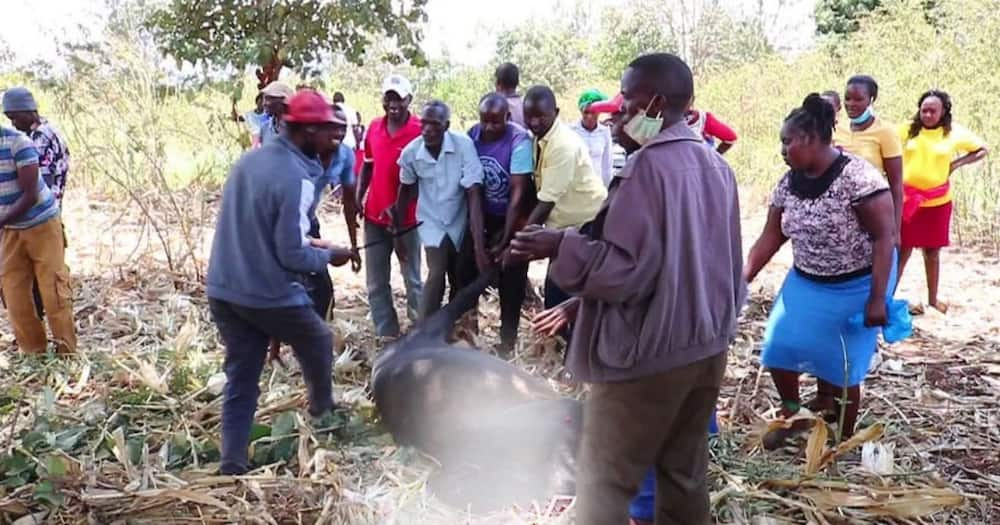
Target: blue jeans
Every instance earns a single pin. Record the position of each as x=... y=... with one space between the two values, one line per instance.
x=378 y=264
x=245 y=333
x=643 y=506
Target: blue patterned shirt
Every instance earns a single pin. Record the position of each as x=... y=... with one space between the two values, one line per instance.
x=53 y=157
x=17 y=151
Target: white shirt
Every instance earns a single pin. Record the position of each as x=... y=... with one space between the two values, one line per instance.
x=598 y=144
x=352 y=120
x=441 y=204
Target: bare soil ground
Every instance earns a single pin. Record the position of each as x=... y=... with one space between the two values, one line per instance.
x=127 y=431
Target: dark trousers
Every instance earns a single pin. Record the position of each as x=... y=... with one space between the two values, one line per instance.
x=245 y=333
x=442 y=264
x=554 y=296
x=659 y=420
x=319 y=285
x=512 y=282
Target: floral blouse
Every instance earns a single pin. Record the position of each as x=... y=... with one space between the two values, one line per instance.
x=53 y=157
x=819 y=217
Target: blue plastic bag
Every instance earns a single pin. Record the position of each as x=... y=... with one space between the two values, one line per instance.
x=900 y=321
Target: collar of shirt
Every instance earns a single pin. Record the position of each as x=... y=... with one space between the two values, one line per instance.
x=41 y=128
x=447 y=147
x=598 y=130
x=311 y=164
x=550 y=134
x=381 y=125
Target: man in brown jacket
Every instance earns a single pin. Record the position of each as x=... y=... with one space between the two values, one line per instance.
x=657 y=290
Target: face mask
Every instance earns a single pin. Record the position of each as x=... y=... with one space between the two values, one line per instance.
x=642 y=128
x=862 y=118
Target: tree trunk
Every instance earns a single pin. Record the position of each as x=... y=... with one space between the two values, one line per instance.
x=269 y=72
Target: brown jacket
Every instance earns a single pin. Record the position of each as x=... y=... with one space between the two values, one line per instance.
x=660 y=275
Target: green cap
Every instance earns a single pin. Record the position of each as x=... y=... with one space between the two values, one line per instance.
x=589 y=97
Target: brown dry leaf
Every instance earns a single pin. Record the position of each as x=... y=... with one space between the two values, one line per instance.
x=815 y=447
x=32 y=519
x=187 y=334
x=867 y=434
x=187 y=496
x=120 y=450
x=870 y=433
x=13 y=507
x=146 y=373
x=913 y=503
x=922 y=503
x=304 y=452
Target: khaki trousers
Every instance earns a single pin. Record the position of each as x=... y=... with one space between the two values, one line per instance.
x=660 y=420
x=37 y=254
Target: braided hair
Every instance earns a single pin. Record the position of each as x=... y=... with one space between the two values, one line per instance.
x=814 y=118
x=832 y=94
x=945 y=122
x=866 y=81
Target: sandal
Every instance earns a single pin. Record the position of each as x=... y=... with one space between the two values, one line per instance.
x=829 y=414
x=778 y=437
x=916 y=309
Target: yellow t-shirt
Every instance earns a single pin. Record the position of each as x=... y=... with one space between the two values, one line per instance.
x=564 y=176
x=927 y=157
x=878 y=142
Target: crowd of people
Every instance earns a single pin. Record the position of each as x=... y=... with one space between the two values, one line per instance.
x=646 y=275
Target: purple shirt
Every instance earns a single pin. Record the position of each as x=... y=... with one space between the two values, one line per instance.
x=510 y=155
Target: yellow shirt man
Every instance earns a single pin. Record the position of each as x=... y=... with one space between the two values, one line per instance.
x=565 y=177
x=927 y=157
x=878 y=142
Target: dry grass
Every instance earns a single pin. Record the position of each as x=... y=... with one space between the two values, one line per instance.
x=127 y=431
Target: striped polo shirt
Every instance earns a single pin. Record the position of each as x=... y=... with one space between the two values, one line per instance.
x=16 y=151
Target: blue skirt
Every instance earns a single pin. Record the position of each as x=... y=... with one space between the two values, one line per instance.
x=810 y=329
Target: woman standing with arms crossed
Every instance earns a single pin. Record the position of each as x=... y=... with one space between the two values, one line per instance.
x=933 y=148
x=837 y=211
x=869 y=137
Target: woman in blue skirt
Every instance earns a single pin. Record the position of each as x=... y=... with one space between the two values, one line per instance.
x=837 y=211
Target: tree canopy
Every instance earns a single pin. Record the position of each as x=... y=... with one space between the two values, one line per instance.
x=546 y=54
x=701 y=32
x=841 y=17
x=273 y=34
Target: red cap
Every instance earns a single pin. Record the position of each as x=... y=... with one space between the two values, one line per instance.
x=609 y=106
x=309 y=107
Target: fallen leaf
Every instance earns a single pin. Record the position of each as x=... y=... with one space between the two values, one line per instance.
x=913 y=503
x=816 y=446
x=37 y=518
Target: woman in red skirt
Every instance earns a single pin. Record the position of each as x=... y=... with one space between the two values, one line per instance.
x=933 y=148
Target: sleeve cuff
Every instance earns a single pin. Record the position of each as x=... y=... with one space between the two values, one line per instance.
x=548 y=197
x=564 y=260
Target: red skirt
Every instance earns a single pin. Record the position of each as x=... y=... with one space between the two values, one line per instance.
x=928 y=228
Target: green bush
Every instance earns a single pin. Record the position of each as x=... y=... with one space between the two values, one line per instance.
x=907 y=55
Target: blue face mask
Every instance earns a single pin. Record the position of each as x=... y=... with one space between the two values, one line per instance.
x=862 y=118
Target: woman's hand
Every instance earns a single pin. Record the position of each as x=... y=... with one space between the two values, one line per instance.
x=876 y=313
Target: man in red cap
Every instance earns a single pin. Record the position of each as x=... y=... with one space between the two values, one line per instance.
x=260 y=251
